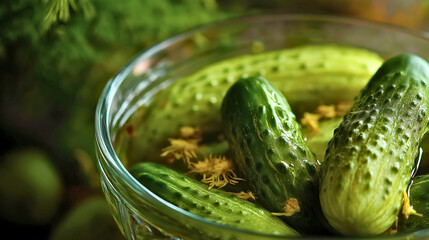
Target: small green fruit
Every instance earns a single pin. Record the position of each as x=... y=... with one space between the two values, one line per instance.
x=30 y=187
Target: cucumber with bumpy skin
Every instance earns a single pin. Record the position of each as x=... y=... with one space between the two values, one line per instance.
x=314 y=75
x=370 y=159
x=268 y=148
x=424 y=161
x=419 y=199
x=213 y=204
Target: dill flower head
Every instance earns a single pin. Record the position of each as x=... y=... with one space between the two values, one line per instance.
x=185 y=147
x=216 y=171
x=180 y=149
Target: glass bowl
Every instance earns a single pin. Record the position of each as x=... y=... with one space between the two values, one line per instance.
x=142 y=215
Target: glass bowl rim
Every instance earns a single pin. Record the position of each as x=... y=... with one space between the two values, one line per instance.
x=104 y=140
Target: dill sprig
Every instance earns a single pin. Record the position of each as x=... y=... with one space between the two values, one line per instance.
x=59 y=10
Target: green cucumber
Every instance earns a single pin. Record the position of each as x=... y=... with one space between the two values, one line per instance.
x=370 y=159
x=90 y=219
x=424 y=161
x=419 y=199
x=214 y=205
x=314 y=75
x=268 y=149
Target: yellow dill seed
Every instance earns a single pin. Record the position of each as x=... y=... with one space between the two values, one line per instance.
x=326 y=111
x=291 y=207
x=311 y=121
x=342 y=108
x=244 y=195
x=188 y=132
x=407 y=209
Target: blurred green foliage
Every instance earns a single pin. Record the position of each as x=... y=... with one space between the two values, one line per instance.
x=55 y=58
